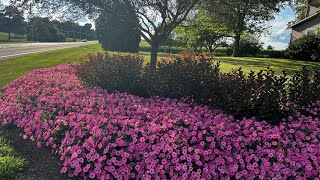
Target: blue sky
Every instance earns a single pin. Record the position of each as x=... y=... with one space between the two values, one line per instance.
x=83 y=21
x=279 y=35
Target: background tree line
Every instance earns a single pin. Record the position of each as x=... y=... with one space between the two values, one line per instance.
x=44 y=30
x=12 y=21
x=191 y=23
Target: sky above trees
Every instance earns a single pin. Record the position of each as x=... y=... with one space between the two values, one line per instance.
x=279 y=36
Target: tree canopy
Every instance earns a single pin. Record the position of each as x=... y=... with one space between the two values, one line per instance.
x=240 y=16
x=157 y=18
x=44 y=30
x=200 y=32
x=300 y=8
x=119 y=31
x=12 y=20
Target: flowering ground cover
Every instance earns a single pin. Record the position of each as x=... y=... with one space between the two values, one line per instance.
x=101 y=135
x=10 y=163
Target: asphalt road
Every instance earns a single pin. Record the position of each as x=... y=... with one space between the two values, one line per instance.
x=12 y=51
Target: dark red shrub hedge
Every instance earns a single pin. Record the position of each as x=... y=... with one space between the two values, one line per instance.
x=262 y=95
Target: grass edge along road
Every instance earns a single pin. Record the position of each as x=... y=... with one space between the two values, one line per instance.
x=10 y=163
x=12 y=69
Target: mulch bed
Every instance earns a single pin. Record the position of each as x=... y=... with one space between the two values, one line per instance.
x=41 y=163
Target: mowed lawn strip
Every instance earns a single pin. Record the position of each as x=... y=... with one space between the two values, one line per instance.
x=12 y=69
x=256 y=64
x=10 y=163
x=248 y=64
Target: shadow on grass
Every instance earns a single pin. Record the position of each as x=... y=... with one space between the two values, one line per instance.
x=261 y=63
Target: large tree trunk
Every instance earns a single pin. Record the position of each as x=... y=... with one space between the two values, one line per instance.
x=236 y=46
x=154 y=57
x=210 y=49
x=9 y=36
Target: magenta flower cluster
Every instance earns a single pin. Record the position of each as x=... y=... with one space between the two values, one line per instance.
x=101 y=135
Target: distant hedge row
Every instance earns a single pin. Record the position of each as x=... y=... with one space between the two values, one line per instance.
x=219 y=52
x=261 y=54
x=165 y=49
x=306 y=48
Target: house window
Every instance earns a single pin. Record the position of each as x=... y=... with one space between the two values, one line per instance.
x=312 y=31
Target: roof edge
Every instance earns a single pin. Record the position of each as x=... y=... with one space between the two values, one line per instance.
x=305 y=19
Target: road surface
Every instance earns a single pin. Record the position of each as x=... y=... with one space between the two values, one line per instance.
x=12 y=51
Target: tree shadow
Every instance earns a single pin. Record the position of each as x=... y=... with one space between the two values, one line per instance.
x=275 y=64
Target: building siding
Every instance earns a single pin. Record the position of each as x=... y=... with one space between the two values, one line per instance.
x=314 y=2
x=301 y=29
x=312 y=10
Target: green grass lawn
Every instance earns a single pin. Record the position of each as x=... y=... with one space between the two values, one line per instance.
x=10 y=163
x=257 y=64
x=250 y=63
x=12 y=69
x=247 y=63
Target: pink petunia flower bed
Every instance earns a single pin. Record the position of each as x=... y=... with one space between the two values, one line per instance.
x=101 y=135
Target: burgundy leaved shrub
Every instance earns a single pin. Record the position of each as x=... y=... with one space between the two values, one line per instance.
x=262 y=95
x=112 y=72
x=304 y=86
